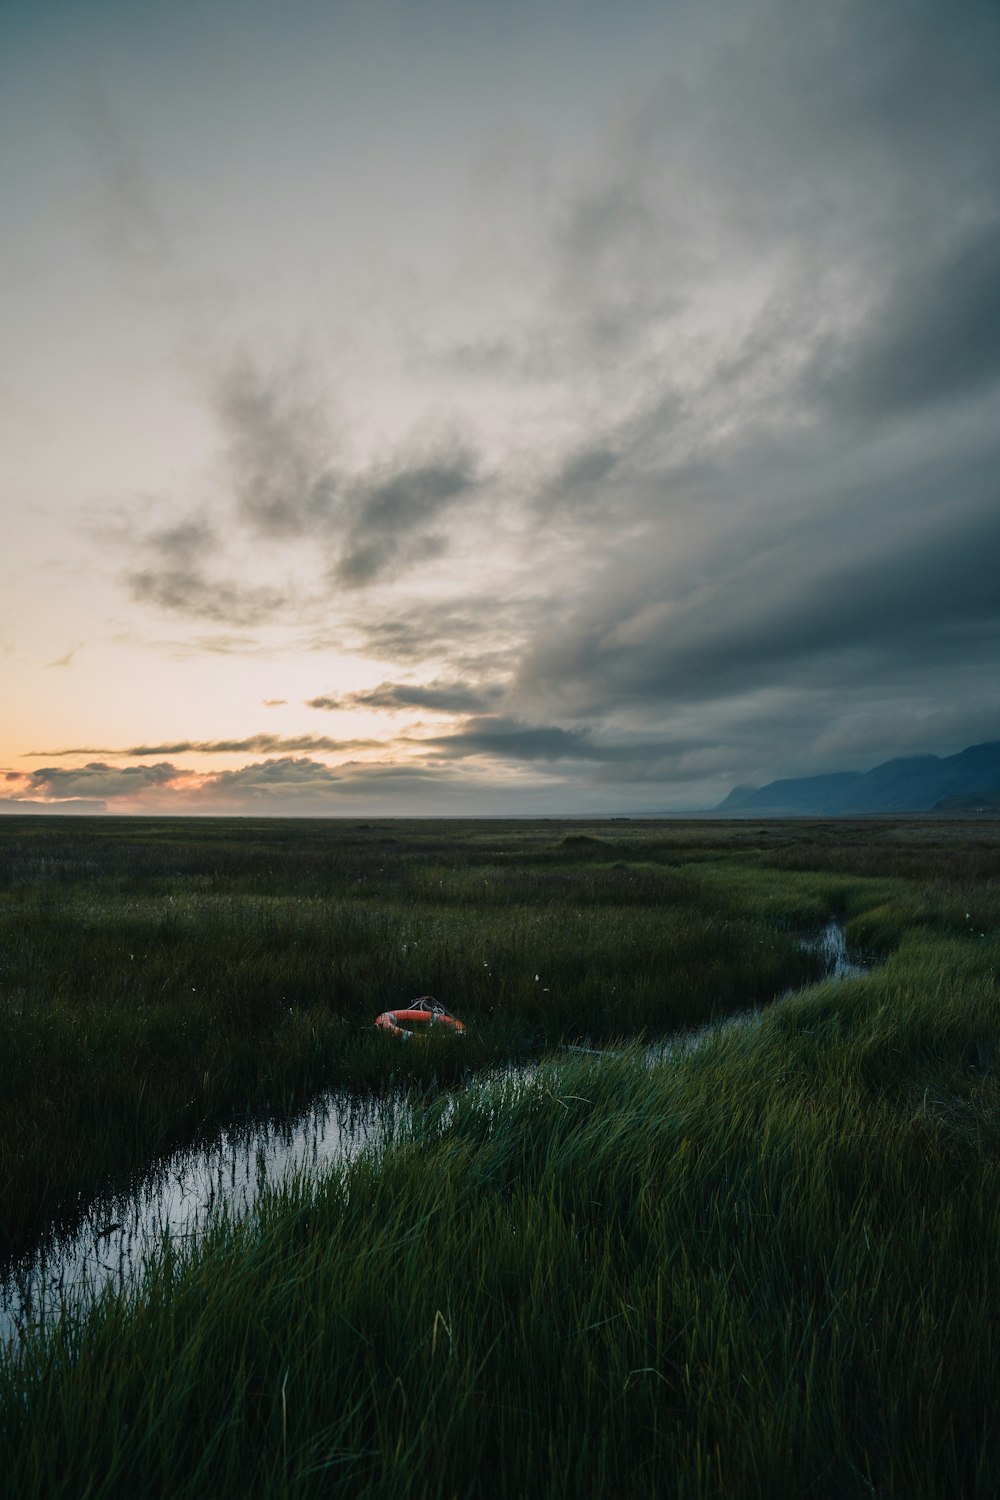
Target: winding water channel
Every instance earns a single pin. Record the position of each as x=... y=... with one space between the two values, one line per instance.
x=177 y=1197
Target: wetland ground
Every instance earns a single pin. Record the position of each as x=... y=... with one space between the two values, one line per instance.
x=765 y=1266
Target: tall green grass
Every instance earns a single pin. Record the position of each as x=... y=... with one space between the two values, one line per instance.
x=765 y=1268
x=158 y=977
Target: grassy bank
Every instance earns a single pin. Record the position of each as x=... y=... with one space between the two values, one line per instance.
x=767 y=1268
x=159 y=977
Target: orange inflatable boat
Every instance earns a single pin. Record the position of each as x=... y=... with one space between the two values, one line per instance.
x=420 y=1016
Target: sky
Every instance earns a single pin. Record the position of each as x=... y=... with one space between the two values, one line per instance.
x=427 y=407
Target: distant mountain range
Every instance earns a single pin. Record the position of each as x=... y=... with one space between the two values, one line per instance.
x=965 y=783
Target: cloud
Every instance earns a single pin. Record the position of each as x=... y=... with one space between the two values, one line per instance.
x=614 y=273
x=278 y=450
x=282 y=785
x=781 y=601
x=66 y=660
x=294 y=786
x=391 y=507
x=512 y=740
x=263 y=777
x=590 y=465
x=289 y=483
x=478 y=635
x=175 y=578
x=396 y=697
x=132 y=228
x=581 y=755
x=98 y=780
x=254 y=742
x=307 y=788
x=936 y=336
x=284 y=484
x=710 y=476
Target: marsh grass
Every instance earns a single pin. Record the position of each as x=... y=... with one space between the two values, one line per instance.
x=767 y=1268
x=161 y=977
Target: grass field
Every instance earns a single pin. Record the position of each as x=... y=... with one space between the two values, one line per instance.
x=765 y=1267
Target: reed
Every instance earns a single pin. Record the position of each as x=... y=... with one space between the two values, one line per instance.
x=764 y=1267
x=159 y=977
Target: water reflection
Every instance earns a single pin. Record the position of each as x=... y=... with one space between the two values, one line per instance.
x=178 y=1196
x=831 y=945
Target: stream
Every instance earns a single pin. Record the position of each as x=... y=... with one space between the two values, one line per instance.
x=831 y=945
x=177 y=1197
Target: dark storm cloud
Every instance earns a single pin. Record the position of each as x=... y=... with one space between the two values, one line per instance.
x=823 y=593
x=849 y=127
x=861 y=150
x=735 y=307
x=794 y=533
x=176 y=579
x=936 y=337
x=605 y=758
x=836 y=150
x=395 y=697
x=510 y=739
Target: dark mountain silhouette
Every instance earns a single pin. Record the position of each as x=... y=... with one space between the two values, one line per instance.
x=967 y=782
x=798 y=794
